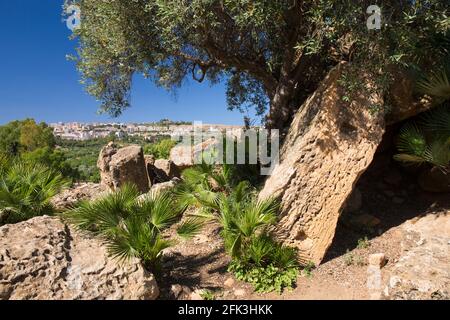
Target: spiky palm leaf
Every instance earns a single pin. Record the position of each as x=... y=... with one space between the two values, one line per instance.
x=190 y=227
x=135 y=238
x=26 y=191
x=411 y=140
x=437 y=121
x=159 y=209
x=438 y=152
x=103 y=215
x=130 y=225
x=436 y=84
x=260 y=250
x=430 y=145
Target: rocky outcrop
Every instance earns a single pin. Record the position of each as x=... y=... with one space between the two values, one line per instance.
x=44 y=259
x=125 y=165
x=182 y=156
x=423 y=270
x=103 y=161
x=78 y=192
x=165 y=186
x=160 y=187
x=403 y=102
x=185 y=156
x=329 y=145
x=165 y=170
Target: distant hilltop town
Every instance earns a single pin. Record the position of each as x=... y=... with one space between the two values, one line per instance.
x=86 y=131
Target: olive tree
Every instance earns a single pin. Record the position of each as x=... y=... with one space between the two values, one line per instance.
x=271 y=53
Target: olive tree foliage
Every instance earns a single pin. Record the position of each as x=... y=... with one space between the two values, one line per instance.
x=271 y=53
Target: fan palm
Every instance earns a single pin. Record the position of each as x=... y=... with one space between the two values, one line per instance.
x=239 y=213
x=26 y=190
x=436 y=84
x=130 y=225
x=427 y=143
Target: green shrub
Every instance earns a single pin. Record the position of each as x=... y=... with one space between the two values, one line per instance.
x=265 y=279
x=26 y=190
x=256 y=257
x=160 y=150
x=51 y=158
x=130 y=227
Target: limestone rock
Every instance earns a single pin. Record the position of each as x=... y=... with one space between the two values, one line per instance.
x=80 y=191
x=239 y=292
x=103 y=161
x=423 y=269
x=120 y=166
x=181 y=155
x=197 y=295
x=229 y=282
x=164 y=170
x=364 y=221
x=404 y=104
x=165 y=186
x=185 y=156
x=180 y=292
x=378 y=260
x=149 y=159
x=160 y=187
x=44 y=259
x=329 y=145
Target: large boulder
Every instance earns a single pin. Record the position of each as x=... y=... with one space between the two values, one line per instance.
x=181 y=156
x=404 y=103
x=329 y=145
x=121 y=166
x=423 y=270
x=185 y=156
x=165 y=170
x=44 y=259
x=103 y=161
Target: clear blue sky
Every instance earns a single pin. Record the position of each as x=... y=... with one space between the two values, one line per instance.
x=37 y=81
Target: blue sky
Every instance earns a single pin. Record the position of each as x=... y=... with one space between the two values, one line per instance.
x=37 y=81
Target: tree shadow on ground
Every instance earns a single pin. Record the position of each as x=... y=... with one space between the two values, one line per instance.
x=193 y=270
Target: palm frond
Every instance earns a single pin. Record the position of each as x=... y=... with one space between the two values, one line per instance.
x=437 y=121
x=131 y=226
x=438 y=152
x=411 y=140
x=160 y=210
x=190 y=227
x=26 y=190
x=436 y=84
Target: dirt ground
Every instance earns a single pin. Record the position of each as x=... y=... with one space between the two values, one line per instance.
x=390 y=198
